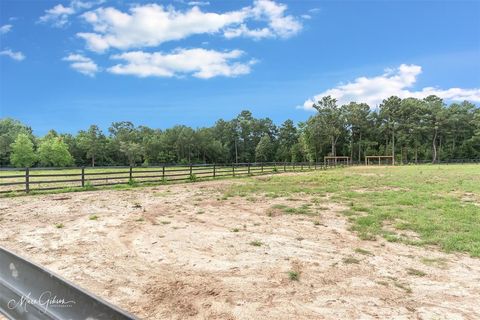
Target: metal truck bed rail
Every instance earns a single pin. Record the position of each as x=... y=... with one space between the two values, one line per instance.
x=30 y=292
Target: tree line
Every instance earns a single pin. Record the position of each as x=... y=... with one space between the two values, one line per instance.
x=409 y=129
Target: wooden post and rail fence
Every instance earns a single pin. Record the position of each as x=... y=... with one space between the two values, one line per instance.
x=43 y=179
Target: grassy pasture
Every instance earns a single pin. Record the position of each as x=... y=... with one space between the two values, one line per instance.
x=421 y=205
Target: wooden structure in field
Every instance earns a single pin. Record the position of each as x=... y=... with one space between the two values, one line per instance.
x=337 y=160
x=379 y=158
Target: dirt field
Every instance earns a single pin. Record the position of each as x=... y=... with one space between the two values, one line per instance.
x=185 y=252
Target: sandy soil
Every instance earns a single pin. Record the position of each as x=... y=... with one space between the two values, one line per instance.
x=174 y=252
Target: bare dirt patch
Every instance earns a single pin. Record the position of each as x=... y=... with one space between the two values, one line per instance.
x=184 y=252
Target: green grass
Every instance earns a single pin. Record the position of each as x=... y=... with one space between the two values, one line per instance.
x=389 y=201
x=351 y=260
x=256 y=243
x=294 y=275
x=416 y=272
x=363 y=251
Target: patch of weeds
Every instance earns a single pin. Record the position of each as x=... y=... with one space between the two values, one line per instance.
x=235 y=230
x=132 y=182
x=363 y=251
x=392 y=237
x=367 y=236
x=303 y=209
x=416 y=272
x=294 y=275
x=256 y=243
x=300 y=238
x=88 y=186
x=93 y=217
x=293 y=199
x=256 y=224
x=166 y=222
x=140 y=219
x=402 y=286
x=383 y=283
x=350 y=260
x=316 y=223
x=436 y=262
x=200 y=212
x=59 y=225
x=192 y=177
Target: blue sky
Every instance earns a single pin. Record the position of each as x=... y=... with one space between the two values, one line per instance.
x=68 y=64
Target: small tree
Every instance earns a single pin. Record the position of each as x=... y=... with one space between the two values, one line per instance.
x=54 y=152
x=264 y=149
x=22 y=151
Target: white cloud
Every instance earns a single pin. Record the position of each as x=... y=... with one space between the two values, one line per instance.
x=199 y=3
x=58 y=15
x=151 y=25
x=15 y=55
x=393 y=82
x=82 y=64
x=200 y=63
x=5 y=28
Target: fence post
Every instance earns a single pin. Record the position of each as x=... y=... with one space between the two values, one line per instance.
x=301 y=166
x=27 y=180
x=315 y=165
x=83 y=177
x=285 y=167
x=233 y=169
x=262 y=167
x=131 y=174
x=191 y=170
x=163 y=173
x=214 y=170
x=249 y=167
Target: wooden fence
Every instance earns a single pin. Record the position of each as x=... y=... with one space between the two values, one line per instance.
x=43 y=179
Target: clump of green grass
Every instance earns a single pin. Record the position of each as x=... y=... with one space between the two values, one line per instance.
x=88 y=186
x=415 y=272
x=363 y=251
x=436 y=262
x=350 y=260
x=256 y=243
x=165 y=222
x=140 y=219
x=59 y=225
x=235 y=230
x=316 y=223
x=192 y=177
x=402 y=286
x=93 y=217
x=294 y=275
x=132 y=183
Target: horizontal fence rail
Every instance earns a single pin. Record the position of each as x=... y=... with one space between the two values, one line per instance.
x=14 y=180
